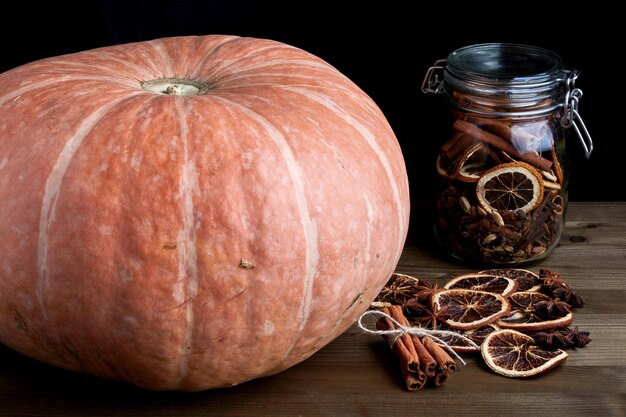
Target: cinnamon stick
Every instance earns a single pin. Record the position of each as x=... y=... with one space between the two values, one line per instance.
x=440 y=378
x=530 y=157
x=412 y=382
x=557 y=167
x=445 y=363
x=404 y=355
x=456 y=145
x=443 y=359
x=501 y=130
x=395 y=311
x=428 y=364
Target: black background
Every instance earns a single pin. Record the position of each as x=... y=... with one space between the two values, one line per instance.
x=384 y=47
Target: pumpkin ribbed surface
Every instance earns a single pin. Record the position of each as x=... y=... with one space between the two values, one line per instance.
x=190 y=242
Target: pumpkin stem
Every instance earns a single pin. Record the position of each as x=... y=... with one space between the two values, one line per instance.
x=176 y=86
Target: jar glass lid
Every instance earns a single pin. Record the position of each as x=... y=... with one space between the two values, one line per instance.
x=504 y=62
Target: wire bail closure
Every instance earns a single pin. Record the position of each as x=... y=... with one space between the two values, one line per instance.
x=433 y=80
x=571 y=117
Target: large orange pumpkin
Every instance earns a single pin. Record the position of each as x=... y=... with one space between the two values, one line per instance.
x=192 y=212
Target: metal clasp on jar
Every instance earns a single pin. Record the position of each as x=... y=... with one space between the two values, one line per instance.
x=571 y=117
x=433 y=80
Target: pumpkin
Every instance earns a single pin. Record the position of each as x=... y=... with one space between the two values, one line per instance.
x=191 y=212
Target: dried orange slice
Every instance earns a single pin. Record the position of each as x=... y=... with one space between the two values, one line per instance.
x=460 y=345
x=510 y=187
x=484 y=282
x=399 y=289
x=472 y=163
x=445 y=167
x=456 y=343
x=516 y=355
x=470 y=309
x=527 y=316
x=479 y=335
x=471 y=172
x=526 y=280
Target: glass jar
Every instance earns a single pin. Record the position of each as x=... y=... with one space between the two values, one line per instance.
x=502 y=193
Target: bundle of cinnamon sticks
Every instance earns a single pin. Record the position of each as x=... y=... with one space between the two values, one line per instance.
x=421 y=360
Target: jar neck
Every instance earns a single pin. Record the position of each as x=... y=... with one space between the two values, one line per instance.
x=508 y=80
x=502 y=99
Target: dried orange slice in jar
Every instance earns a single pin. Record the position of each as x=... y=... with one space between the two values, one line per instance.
x=484 y=282
x=470 y=309
x=471 y=172
x=514 y=354
x=534 y=311
x=510 y=187
x=445 y=167
x=526 y=280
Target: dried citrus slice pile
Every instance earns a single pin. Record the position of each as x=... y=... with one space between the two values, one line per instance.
x=518 y=318
x=470 y=309
x=484 y=282
x=514 y=354
x=510 y=187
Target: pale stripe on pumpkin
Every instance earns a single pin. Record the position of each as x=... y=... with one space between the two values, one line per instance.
x=14 y=94
x=281 y=63
x=209 y=60
x=167 y=62
x=226 y=66
x=118 y=75
x=371 y=141
x=309 y=226
x=370 y=221
x=341 y=84
x=187 y=285
x=53 y=188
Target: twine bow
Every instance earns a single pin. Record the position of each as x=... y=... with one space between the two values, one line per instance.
x=418 y=331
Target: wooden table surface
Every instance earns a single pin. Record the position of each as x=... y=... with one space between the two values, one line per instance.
x=356 y=375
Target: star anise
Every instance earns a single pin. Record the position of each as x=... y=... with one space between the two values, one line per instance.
x=552 y=339
x=425 y=291
x=562 y=338
x=578 y=338
x=552 y=308
x=556 y=286
x=429 y=318
x=567 y=294
x=552 y=279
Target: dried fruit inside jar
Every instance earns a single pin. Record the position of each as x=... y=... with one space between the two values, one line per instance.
x=502 y=195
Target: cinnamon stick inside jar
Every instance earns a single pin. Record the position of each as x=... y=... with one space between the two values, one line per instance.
x=501 y=144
